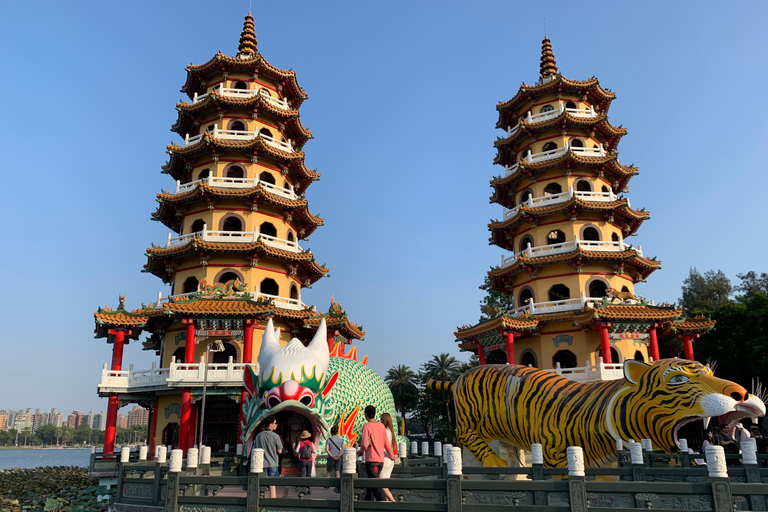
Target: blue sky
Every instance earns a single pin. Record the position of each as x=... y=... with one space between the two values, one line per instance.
x=402 y=102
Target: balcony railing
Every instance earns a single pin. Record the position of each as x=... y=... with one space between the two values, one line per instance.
x=243 y=93
x=564 y=247
x=285 y=302
x=219 y=182
x=544 y=116
x=176 y=375
x=240 y=135
x=555 y=306
x=548 y=200
x=532 y=158
x=242 y=237
x=279 y=301
x=591 y=373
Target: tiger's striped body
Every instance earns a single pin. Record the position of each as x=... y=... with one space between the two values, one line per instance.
x=521 y=405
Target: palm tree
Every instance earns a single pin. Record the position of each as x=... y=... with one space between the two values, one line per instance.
x=400 y=380
x=444 y=367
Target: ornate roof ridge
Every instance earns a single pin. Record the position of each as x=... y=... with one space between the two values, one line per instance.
x=628 y=255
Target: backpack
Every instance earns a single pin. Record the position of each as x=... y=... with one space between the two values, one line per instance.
x=306 y=450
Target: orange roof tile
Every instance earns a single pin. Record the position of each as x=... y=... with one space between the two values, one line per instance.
x=502 y=322
x=599 y=123
x=619 y=206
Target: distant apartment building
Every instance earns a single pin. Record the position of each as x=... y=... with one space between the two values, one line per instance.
x=24 y=421
x=100 y=423
x=138 y=416
x=3 y=422
x=122 y=421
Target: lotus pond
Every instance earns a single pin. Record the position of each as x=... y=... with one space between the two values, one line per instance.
x=58 y=488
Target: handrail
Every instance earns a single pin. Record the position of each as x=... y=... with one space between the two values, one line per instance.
x=240 y=135
x=563 y=247
x=554 y=153
x=225 y=182
x=554 y=306
x=285 y=302
x=547 y=200
x=243 y=93
x=234 y=237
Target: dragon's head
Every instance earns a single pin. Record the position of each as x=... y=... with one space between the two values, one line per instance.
x=292 y=378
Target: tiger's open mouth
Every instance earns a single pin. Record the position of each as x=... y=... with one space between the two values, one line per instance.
x=752 y=408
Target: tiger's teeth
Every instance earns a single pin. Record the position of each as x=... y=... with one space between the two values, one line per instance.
x=754 y=420
x=706 y=422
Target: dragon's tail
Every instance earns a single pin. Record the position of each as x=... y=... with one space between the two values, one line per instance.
x=440 y=385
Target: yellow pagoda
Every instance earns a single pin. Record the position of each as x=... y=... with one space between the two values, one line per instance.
x=236 y=254
x=569 y=269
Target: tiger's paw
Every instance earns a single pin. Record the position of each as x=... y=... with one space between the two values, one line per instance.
x=494 y=461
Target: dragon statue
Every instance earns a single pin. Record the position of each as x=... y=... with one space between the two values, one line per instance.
x=327 y=388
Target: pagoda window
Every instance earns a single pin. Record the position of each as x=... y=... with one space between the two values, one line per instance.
x=576 y=143
x=552 y=189
x=204 y=174
x=226 y=277
x=269 y=287
x=179 y=354
x=197 y=225
x=527 y=241
x=570 y=104
x=525 y=153
x=210 y=127
x=223 y=356
x=615 y=237
x=190 y=285
x=559 y=292
x=235 y=172
x=598 y=288
x=528 y=358
x=232 y=223
x=241 y=85
x=583 y=186
x=267 y=177
x=265 y=131
x=625 y=289
x=638 y=356
x=555 y=237
x=595 y=146
x=591 y=234
x=290 y=236
x=566 y=358
x=237 y=125
x=526 y=296
x=527 y=194
x=286 y=185
x=294 y=292
x=547 y=108
x=549 y=146
x=605 y=189
x=267 y=228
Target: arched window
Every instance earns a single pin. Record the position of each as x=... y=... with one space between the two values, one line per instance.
x=615 y=237
x=179 y=354
x=269 y=287
x=527 y=194
x=615 y=356
x=210 y=127
x=583 y=186
x=625 y=289
x=605 y=189
x=566 y=358
x=267 y=177
x=555 y=237
x=559 y=292
x=590 y=234
x=237 y=125
x=235 y=172
x=547 y=108
x=526 y=296
x=223 y=357
x=241 y=85
x=267 y=228
x=290 y=236
x=294 y=292
x=570 y=104
x=227 y=277
x=286 y=185
x=204 y=174
x=524 y=153
x=526 y=241
x=528 y=358
x=232 y=224
x=197 y=225
x=597 y=288
x=552 y=189
x=190 y=285
x=638 y=356
x=576 y=143
x=265 y=131
x=549 y=146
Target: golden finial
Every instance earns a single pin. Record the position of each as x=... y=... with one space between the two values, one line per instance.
x=548 y=65
x=247 y=47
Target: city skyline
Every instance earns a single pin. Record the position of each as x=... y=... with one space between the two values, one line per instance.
x=403 y=109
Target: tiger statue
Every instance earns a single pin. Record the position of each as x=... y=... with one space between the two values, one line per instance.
x=521 y=406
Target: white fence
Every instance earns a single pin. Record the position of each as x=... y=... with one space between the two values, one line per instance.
x=221 y=182
x=549 y=200
x=234 y=237
x=564 y=247
x=591 y=373
x=241 y=135
x=245 y=94
x=555 y=306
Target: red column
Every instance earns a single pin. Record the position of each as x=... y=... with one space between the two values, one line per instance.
x=152 y=427
x=481 y=353
x=112 y=405
x=654 y=343
x=186 y=396
x=605 y=344
x=509 y=345
x=688 y=346
x=331 y=336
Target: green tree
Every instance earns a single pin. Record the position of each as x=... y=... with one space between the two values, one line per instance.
x=25 y=433
x=494 y=302
x=47 y=434
x=401 y=381
x=444 y=367
x=83 y=434
x=751 y=283
x=704 y=293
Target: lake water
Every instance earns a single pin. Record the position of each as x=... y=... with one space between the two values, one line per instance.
x=49 y=457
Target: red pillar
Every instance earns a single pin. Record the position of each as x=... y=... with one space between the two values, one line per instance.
x=605 y=344
x=152 y=428
x=509 y=345
x=481 y=353
x=112 y=405
x=186 y=396
x=654 y=343
x=331 y=336
x=688 y=346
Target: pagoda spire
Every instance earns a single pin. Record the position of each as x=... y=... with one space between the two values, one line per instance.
x=247 y=47
x=548 y=65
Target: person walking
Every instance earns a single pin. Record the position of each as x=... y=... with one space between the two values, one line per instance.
x=334 y=447
x=374 y=446
x=305 y=450
x=270 y=442
x=389 y=464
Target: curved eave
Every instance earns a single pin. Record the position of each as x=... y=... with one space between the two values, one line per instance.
x=627 y=313
x=494 y=324
x=107 y=319
x=209 y=142
x=349 y=330
x=643 y=266
x=688 y=326
x=197 y=73
x=608 y=163
x=559 y=84
x=526 y=131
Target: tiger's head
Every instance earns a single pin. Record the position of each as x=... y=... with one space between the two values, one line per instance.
x=656 y=400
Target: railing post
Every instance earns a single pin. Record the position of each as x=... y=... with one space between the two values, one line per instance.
x=453 y=481
x=178 y=186
x=414 y=448
x=752 y=471
x=201 y=367
x=186 y=139
x=718 y=478
x=254 y=476
x=577 y=490
x=347 y=481
x=143 y=449
x=636 y=459
x=216 y=131
x=425 y=449
x=205 y=230
x=168 y=241
x=685 y=457
x=172 y=489
x=537 y=472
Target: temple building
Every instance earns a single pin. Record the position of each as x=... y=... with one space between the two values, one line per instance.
x=236 y=254
x=570 y=269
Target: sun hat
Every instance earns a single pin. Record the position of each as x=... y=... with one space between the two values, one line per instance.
x=305 y=435
x=739 y=425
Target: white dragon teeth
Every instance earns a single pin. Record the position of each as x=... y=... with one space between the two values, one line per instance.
x=706 y=422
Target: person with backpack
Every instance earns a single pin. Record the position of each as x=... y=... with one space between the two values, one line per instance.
x=306 y=451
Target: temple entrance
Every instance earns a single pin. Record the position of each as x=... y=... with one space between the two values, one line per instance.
x=221 y=417
x=290 y=425
x=170 y=435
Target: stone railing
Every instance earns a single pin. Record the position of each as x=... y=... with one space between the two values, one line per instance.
x=231 y=92
x=242 y=135
x=220 y=182
x=562 y=197
x=564 y=247
x=243 y=237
